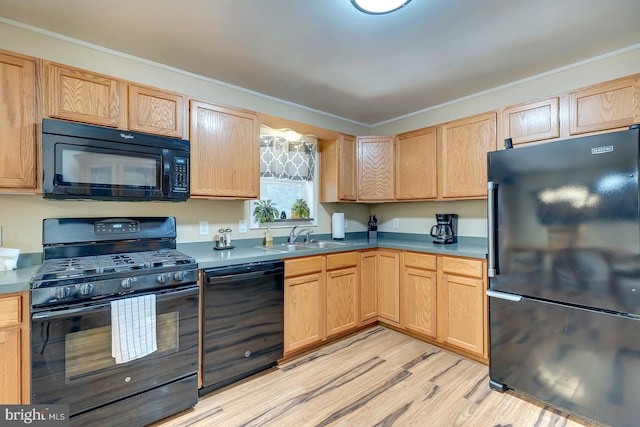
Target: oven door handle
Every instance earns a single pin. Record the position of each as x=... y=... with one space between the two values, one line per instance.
x=56 y=314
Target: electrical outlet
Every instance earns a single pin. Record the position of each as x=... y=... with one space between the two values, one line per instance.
x=0 y=235
x=346 y=223
x=396 y=223
x=242 y=226
x=204 y=228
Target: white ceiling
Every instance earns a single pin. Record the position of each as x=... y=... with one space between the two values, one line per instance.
x=326 y=55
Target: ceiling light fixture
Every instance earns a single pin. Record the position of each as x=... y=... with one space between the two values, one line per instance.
x=379 y=7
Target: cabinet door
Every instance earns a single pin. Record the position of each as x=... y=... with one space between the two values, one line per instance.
x=303 y=314
x=416 y=170
x=17 y=123
x=225 y=150
x=368 y=287
x=83 y=96
x=389 y=286
x=463 y=312
x=464 y=147
x=376 y=168
x=609 y=105
x=156 y=111
x=342 y=300
x=338 y=180
x=10 y=390
x=533 y=121
x=347 y=180
x=419 y=289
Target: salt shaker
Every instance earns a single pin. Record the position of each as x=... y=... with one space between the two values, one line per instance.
x=227 y=237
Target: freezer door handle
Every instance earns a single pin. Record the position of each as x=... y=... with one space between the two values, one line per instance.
x=492 y=188
x=502 y=295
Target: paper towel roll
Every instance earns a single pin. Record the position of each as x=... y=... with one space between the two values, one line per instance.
x=337 y=225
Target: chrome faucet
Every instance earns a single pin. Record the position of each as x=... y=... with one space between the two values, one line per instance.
x=293 y=235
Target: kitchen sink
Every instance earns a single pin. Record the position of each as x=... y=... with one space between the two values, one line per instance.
x=296 y=247
x=325 y=245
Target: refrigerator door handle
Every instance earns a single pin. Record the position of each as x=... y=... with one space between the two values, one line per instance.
x=492 y=188
x=502 y=295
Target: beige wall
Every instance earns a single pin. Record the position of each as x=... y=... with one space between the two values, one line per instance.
x=21 y=215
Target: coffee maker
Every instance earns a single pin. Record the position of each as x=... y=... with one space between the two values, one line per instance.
x=446 y=229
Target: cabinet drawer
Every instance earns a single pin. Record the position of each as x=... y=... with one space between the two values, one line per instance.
x=346 y=259
x=463 y=267
x=10 y=311
x=300 y=266
x=421 y=261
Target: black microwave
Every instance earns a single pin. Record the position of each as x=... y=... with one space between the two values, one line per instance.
x=89 y=162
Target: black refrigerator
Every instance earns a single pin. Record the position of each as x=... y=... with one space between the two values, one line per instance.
x=564 y=274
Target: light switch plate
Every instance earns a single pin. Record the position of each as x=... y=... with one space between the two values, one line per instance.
x=204 y=228
x=396 y=223
x=242 y=226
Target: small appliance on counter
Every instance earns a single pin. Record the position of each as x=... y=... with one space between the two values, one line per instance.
x=446 y=229
x=373 y=228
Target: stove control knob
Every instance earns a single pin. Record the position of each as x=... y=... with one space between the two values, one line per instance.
x=126 y=283
x=86 y=289
x=62 y=292
x=162 y=278
x=178 y=276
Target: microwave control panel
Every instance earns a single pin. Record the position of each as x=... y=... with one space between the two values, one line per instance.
x=180 y=174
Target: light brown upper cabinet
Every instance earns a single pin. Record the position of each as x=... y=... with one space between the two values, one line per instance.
x=84 y=96
x=532 y=121
x=610 y=105
x=338 y=181
x=416 y=165
x=463 y=149
x=157 y=111
x=225 y=152
x=17 y=123
x=376 y=168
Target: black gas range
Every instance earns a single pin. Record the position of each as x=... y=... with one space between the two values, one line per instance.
x=92 y=258
x=93 y=268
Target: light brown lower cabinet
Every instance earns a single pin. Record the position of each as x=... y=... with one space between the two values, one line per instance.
x=15 y=365
x=321 y=298
x=303 y=303
x=343 y=293
x=380 y=286
x=419 y=283
x=444 y=299
x=368 y=287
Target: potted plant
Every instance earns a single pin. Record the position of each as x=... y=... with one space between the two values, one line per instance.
x=300 y=209
x=265 y=211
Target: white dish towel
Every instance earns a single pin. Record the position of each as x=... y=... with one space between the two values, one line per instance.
x=133 y=328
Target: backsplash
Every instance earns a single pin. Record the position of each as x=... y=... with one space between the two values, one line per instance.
x=22 y=215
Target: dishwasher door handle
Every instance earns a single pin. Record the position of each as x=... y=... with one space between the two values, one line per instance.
x=212 y=280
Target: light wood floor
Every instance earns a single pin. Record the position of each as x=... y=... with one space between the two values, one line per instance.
x=377 y=377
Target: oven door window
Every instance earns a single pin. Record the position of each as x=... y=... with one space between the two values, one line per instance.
x=87 y=166
x=88 y=352
x=71 y=353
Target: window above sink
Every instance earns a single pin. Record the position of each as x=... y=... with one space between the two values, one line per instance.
x=288 y=172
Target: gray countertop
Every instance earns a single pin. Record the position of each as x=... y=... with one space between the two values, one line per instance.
x=472 y=247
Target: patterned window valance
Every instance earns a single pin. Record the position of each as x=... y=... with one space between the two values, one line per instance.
x=284 y=159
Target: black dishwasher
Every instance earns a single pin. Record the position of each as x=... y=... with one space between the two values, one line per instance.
x=242 y=321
